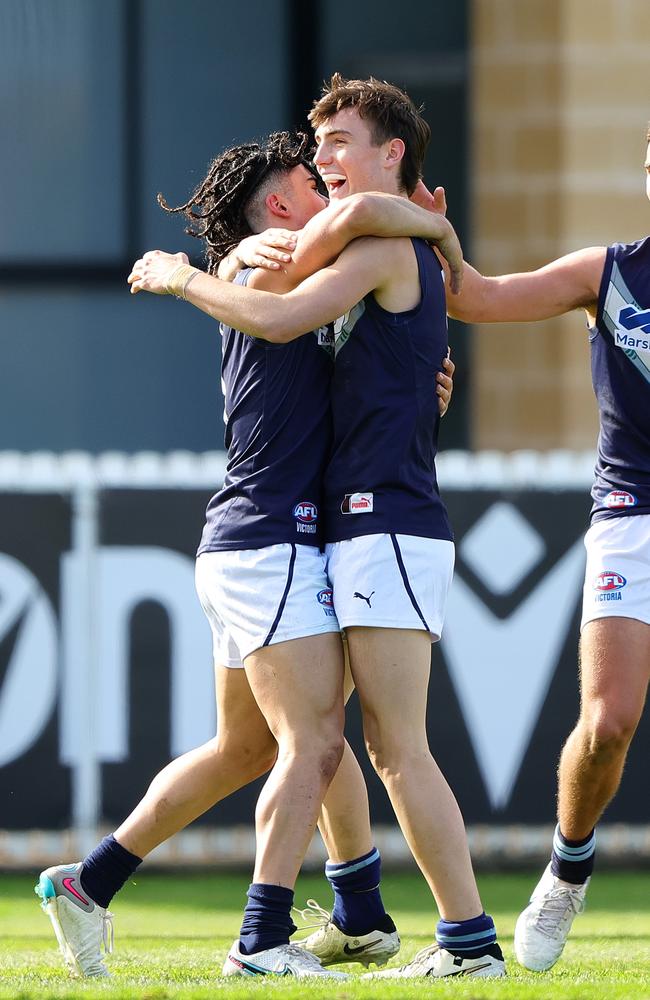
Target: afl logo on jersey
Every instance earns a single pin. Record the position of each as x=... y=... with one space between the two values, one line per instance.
x=618 y=499
x=609 y=581
x=305 y=511
x=306 y=515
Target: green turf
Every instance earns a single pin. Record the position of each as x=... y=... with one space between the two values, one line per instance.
x=172 y=934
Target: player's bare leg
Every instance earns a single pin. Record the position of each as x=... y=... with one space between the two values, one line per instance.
x=299 y=687
x=614 y=672
x=357 y=929
x=614 y=675
x=344 y=821
x=76 y=897
x=242 y=750
x=391 y=671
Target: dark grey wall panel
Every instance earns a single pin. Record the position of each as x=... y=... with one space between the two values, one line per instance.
x=61 y=72
x=105 y=104
x=100 y=369
x=213 y=74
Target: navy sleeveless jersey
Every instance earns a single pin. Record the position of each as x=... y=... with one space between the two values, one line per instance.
x=381 y=476
x=278 y=436
x=620 y=369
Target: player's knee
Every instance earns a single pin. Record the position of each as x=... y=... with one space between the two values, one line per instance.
x=251 y=758
x=381 y=755
x=327 y=744
x=316 y=743
x=390 y=759
x=263 y=761
x=331 y=753
x=610 y=731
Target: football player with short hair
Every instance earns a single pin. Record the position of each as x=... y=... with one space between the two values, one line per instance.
x=262 y=582
x=390 y=550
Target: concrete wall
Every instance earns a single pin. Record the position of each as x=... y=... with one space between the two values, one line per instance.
x=559 y=106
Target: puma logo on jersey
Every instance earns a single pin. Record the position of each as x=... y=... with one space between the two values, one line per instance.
x=358 y=503
x=363 y=598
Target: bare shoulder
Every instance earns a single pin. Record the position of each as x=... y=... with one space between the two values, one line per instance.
x=400 y=287
x=270 y=281
x=587 y=263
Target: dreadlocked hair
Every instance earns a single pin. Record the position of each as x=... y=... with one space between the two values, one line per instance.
x=217 y=209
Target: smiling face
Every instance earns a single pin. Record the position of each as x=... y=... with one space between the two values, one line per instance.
x=348 y=160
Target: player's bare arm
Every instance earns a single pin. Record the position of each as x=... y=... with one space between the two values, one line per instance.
x=328 y=233
x=366 y=265
x=571 y=282
x=270 y=250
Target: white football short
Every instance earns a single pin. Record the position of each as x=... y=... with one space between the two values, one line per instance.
x=617 y=578
x=257 y=597
x=391 y=581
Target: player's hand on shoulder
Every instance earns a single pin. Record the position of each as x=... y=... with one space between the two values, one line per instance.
x=152 y=271
x=432 y=202
x=445 y=385
x=270 y=249
x=448 y=243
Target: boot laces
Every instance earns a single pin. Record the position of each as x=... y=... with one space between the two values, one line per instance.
x=302 y=957
x=313 y=915
x=108 y=934
x=560 y=904
x=421 y=959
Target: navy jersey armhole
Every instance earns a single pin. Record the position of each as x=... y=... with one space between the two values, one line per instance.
x=602 y=293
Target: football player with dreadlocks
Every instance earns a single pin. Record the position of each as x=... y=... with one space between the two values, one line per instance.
x=388 y=538
x=261 y=581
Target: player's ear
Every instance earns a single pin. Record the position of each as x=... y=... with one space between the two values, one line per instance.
x=395 y=150
x=277 y=206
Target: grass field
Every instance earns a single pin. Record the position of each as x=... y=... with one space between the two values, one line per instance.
x=172 y=934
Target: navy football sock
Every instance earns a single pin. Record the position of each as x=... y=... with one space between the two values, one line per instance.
x=467 y=938
x=573 y=860
x=358 y=906
x=267 y=918
x=106 y=869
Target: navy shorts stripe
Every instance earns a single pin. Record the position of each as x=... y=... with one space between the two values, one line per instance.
x=405 y=580
x=287 y=588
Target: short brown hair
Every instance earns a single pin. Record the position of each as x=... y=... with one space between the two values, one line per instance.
x=390 y=113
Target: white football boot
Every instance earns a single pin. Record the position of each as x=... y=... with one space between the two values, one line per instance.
x=437 y=963
x=285 y=960
x=80 y=925
x=543 y=927
x=331 y=945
